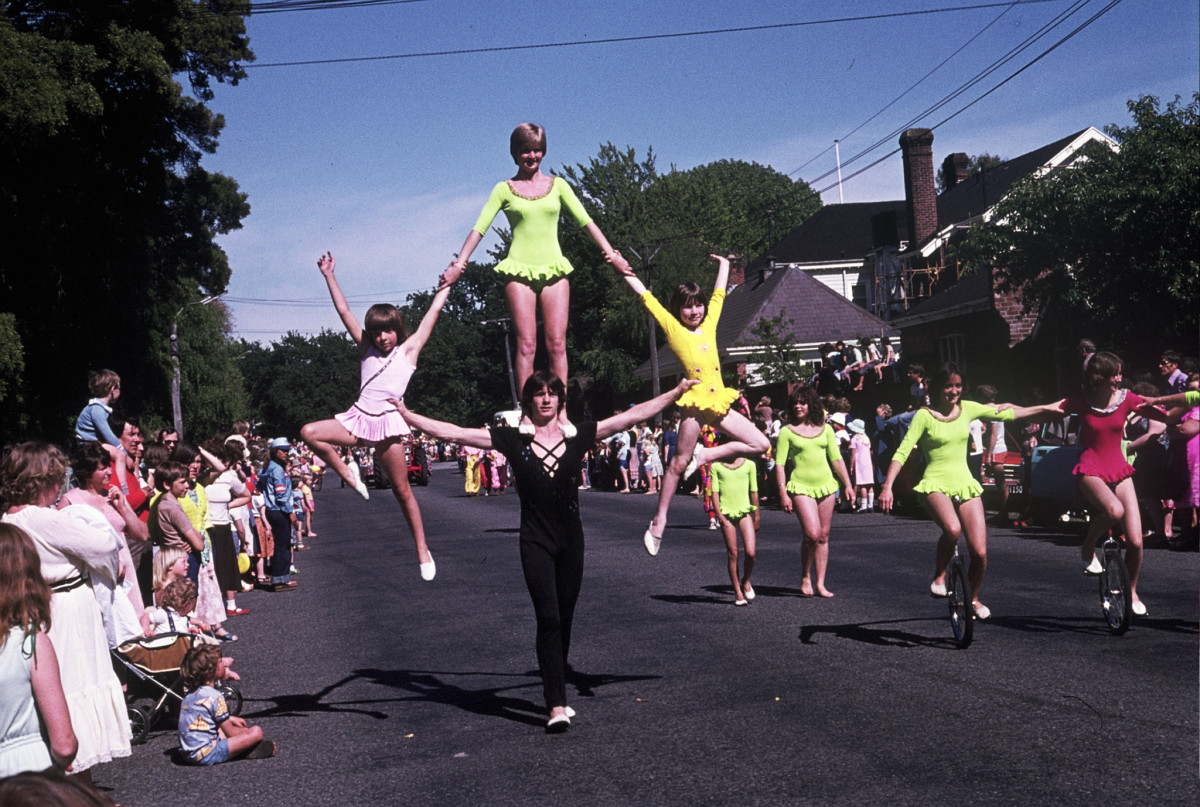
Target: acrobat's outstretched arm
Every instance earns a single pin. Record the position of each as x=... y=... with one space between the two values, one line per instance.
x=326 y=264
x=479 y=438
x=418 y=338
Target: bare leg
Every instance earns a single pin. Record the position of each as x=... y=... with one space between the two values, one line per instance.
x=1106 y=511
x=815 y=516
x=685 y=445
x=322 y=437
x=974 y=523
x=942 y=511
x=522 y=307
x=1133 y=533
x=392 y=456
x=747 y=440
x=555 y=301
x=241 y=739
x=749 y=545
x=731 y=553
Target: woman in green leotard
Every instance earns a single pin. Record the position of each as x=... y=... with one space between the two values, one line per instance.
x=535 y=270
x=809 y=490
x=951 y=493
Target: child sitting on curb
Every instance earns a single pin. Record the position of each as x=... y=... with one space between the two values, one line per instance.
x=208 y=734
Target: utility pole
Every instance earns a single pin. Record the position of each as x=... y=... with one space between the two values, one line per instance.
x=176 y=380
x=645 y=256
x=512 y=379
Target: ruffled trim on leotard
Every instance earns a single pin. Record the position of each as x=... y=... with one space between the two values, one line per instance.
x=739 y=515
x=970 y=490
x=819 y=492
x=535 y=273
x=373 y=428
x=1108 y=475
x=712 y=402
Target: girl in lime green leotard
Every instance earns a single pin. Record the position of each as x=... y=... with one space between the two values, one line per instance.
x=951 y=494
x=809 y=490
x=535 y=270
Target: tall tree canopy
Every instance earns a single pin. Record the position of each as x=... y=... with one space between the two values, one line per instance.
x=1114 y=241
x=109 y=219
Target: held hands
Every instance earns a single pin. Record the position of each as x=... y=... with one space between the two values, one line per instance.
x=326 y=264
x=449 y=277
x=619 y=264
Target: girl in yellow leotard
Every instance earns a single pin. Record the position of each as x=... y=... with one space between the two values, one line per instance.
x=535 y=270
x=810 y=489
x=691 y=329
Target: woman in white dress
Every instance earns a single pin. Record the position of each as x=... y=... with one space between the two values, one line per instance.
x=72 y=554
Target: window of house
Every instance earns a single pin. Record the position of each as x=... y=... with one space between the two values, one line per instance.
x=952 y=348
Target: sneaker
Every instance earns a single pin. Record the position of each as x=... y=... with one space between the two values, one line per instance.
x=558 y=724
x=293 y=570
x=713 y=525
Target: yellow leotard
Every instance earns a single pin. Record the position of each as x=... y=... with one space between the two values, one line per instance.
x=697 y=353
x=812 y=458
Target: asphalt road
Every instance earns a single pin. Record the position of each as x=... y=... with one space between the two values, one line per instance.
x=382 y=689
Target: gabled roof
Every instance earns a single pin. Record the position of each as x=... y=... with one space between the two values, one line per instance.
x=818 y=313
x=974 y=196
x=834 y=233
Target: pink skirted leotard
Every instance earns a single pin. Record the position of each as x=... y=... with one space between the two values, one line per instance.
x=1101 y=436
x=372 y=418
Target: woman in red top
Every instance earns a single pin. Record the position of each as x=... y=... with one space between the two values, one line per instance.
x=1104 y=476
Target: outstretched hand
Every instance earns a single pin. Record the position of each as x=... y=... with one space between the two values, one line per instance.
x=685 y=385
x=722 y=261
x=326 y=263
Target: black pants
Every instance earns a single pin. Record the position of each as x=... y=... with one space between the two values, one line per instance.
x=553 y=573
x=281 y=559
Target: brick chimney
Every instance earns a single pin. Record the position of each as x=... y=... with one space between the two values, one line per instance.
x=954 y=169
x=920 y=190
x=737 y=272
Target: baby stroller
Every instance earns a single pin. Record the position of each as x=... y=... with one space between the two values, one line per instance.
x=155 y=685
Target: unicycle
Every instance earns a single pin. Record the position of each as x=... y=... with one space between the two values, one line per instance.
x=1116 y=598
x=958 y=599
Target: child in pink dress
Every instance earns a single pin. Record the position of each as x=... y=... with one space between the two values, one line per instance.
x=861 y=467
x=389 y=358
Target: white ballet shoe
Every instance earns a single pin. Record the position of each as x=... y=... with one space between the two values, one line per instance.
x=428 y=570
x=1095 y=568
x=982 y=612
x=361 y=489
x=1139 y=608
x=651 y=543
x=357 y=484
x=694 y=463
x=748 y=591
x=937 y=589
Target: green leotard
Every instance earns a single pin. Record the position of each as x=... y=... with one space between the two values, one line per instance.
x=944 y=444
x=813 y=459
x=697 y=354
x=534 y=254
x=1191 y=398
x=734 y=486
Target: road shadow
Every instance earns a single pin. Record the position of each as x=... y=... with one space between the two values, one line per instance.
x=1088 y=625
x=433 y=686
x=872 y=633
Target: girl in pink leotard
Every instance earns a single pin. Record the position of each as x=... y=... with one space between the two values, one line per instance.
x=389 y=358
x=1104 y=476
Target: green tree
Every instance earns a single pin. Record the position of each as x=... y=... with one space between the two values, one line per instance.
x=777 y=358
x=109 y=219
x=300 y=379
x=976 y=164
x=1112 y=243
x=212 y=390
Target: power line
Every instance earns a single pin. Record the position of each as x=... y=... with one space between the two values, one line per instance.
x=283 y=6
x=647 y=37
x=1009 y=78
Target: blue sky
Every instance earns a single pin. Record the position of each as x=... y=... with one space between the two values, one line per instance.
x=387 y=162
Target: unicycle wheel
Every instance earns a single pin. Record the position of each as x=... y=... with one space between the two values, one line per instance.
x=958 y=600
x=1115 y=596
